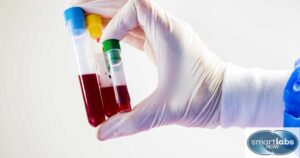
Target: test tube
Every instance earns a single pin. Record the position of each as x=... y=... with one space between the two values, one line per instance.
x=94 y=27
x=75 y=22
x=112 y=49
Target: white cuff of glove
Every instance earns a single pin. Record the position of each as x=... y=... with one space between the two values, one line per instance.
x=252 y=97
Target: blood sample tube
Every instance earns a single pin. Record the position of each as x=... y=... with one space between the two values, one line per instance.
x=75 y=22
x=111 y=48
x=94 y=27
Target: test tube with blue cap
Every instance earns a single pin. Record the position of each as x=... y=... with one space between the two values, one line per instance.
x=75 y=22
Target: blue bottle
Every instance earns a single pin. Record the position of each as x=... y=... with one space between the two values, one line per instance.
x=292 y=99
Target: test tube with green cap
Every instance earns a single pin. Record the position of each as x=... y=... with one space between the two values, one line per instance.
x=112 y=50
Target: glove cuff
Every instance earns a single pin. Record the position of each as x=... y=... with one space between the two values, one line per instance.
x=252 y=97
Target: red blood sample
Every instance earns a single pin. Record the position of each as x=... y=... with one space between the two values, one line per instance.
x=92 y=99
x=124 y=99
x=109 y=101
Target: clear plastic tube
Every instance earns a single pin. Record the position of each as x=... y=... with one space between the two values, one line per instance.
x=113 y=59
x=75 y=22
x=94 y=26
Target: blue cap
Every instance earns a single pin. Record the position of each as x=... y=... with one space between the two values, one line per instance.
x=75 y=16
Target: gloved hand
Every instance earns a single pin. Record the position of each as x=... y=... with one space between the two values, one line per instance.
x=189 y=75
x=191 y=79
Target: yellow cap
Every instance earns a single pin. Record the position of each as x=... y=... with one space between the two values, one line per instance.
x=94 y=26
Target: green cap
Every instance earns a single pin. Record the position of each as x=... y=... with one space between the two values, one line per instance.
x=111 y=44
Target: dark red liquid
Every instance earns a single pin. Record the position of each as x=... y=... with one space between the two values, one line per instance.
x=92 y=99
x=124 y=99
x=109 y=101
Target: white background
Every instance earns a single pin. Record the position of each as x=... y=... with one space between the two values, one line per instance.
x=41 y=107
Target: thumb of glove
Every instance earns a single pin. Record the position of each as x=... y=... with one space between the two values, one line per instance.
x=149 y=113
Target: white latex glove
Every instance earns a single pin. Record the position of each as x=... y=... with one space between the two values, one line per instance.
x=189 y=75
x=253 y=97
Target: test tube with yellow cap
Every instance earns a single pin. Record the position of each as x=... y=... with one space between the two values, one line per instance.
x=94 y=27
